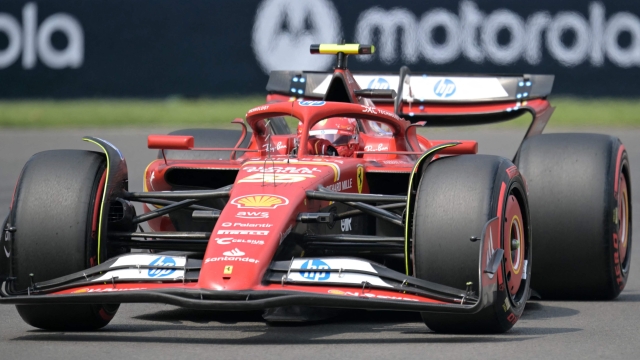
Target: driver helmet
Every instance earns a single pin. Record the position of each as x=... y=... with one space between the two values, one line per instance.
x=338 y=131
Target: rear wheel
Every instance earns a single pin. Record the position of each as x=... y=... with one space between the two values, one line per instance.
x=456 y=197
x=580 y=198
x=55 y=213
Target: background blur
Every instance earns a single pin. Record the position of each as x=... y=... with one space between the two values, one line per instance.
x=167 y=62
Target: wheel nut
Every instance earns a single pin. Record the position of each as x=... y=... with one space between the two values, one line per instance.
x=515 y=244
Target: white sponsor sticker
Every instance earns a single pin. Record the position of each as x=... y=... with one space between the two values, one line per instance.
x=149 y=259
x=231 y=258
x=235 y=253
x=243 y=232
x=230 y=240
x=252 y=215
x=455 y=88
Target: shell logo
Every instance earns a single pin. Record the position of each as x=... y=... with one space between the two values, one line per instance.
x=259 y=201
x=336 y=292
x=80 y=291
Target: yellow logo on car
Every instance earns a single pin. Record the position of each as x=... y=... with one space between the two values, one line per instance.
x=275 y=178
x=360 y=178
x=259 y=201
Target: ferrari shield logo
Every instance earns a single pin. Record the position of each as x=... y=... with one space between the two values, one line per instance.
x=228 y=270
x=360 y=178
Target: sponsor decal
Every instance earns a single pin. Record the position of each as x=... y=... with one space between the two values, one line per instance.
x=345 y=224
x=281 y=170
x=234 y=253
x=283 y=30
x=110 y=289
x=228 y=224
x=474 y=34
x=457 y=88
x=512 y=171
x=378 y=83
x=162 y=261
x=444 y=88
x=137 y=259
x=273 y=148
x=360 y=177
x=369 y=295
x=341 y=185
x=259 y=201
x=380 y=147
x=276 y=178
x=369 y=110
x=311 y=103
x=35 y=41
x=387 y=113
x=252 y=215
x=259 y=108
x=229 y=240
x=243 y=232
x=312 y=162
x=314 y=269
x=616 y=261
x=228 y=270
x=506 y=306
x=231 y=258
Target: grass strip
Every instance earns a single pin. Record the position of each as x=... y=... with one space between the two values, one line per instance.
x=570 y=112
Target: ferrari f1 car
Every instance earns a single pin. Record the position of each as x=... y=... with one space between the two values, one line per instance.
x=354 y=210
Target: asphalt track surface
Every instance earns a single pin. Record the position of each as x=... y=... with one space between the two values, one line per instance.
x=571 y=330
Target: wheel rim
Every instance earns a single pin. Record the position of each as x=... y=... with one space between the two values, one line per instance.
x=514 y=245
x=623 y=220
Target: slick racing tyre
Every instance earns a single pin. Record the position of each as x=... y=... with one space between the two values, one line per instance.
x=580 y=201
x=55 y=213
x=456 y=197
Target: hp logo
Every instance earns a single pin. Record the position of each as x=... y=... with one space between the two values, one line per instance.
x=311 y=103
x=162 y=261
x=378 y=83
x=444 y=88
x=314 y=265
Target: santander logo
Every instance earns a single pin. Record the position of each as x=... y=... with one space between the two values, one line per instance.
x=233 y=253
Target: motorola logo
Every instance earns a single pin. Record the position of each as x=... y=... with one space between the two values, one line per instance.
x=284 y=29
x=473 y=34
x=33 y=40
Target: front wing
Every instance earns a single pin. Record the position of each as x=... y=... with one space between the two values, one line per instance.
x=176 y=284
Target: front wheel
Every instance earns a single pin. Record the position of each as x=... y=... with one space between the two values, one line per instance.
x=55 y=213
x=456 y=197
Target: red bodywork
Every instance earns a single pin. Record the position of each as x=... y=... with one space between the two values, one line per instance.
x=270 y=185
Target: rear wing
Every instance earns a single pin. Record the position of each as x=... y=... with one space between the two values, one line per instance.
x=440 y=99
x=428 y=87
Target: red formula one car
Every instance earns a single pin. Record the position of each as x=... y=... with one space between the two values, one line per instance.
x=352 y=210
